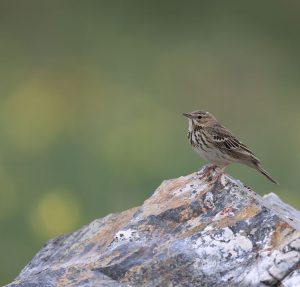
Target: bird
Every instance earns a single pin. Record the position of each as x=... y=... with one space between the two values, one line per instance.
x=216 y=144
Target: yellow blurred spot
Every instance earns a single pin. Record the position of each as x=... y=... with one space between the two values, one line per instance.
x=57 y=212
x=34 y=115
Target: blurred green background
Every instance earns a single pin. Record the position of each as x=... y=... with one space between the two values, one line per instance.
x=92 y=94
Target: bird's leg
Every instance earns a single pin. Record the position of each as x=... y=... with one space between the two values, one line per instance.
x=208 y=170
x=219 y=173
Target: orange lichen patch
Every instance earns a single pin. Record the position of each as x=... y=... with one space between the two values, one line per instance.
x=247 y=212
x=107 y=259
x=186 y=214
x=131 y=272
x=70 y=277
x=104 y=234
x=192 y=231
x=178 y=182
x=146 y=228
x=224 y=222
x=107 y=232
x=163 y=199
x=155 y=209
x=283 y=232
x=165 y=189
x=244 y=214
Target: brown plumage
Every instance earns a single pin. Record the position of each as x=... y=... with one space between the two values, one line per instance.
x=216 y=144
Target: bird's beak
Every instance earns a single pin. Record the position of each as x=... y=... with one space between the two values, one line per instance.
x=188 y=115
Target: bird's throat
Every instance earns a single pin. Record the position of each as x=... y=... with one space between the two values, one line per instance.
x=191 y=125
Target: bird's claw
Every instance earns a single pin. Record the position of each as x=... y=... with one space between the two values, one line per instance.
x=207 y=172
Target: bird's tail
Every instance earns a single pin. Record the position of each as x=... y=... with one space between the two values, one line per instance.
x=265 y=173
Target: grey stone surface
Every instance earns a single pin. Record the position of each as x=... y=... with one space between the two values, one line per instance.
x=193 y=231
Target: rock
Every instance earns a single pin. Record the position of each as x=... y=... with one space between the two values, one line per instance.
x=193 y=231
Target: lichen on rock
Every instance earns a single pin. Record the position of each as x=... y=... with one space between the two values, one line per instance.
x=193 y=231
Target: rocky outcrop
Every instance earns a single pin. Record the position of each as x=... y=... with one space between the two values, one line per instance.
x=195 y=230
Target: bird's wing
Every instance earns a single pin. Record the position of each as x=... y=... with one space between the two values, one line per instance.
x=224 y=139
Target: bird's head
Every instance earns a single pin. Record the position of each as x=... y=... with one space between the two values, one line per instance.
x=200 y=118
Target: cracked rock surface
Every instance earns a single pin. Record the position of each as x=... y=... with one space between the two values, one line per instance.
x=193 y=231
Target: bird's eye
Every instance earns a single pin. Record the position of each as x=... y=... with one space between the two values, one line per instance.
x=199 y=117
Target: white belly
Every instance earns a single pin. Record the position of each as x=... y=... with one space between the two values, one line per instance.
x=212 y=155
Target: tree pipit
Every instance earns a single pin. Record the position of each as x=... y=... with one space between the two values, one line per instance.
x=214 y=143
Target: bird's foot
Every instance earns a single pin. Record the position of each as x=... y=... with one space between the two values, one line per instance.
x=218 y=175
x=212 y=173
x=207 y=171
